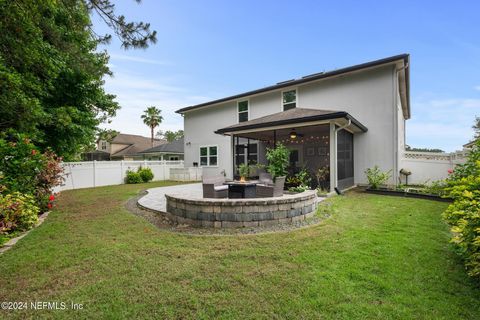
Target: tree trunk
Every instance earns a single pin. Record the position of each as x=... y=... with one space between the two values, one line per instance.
x=151 y=134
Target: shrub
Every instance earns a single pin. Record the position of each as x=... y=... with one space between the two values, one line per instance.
x=323 y=176
x=298 y=189
x=50 y=176
x=26 y=170
x=436 y=187
x=463 y=215
x=300 y=182
x=18 y=212
x=146 y=174
x=20 y=164
x=278 y=160
x=133 y=177
x=376 y=177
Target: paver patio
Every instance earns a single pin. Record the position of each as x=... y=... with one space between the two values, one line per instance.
x=155 y=198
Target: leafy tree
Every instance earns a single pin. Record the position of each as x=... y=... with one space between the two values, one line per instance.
x=170 y=135
x=51 y=74
x=476 y=127
x=107 y=134
x=152 y=117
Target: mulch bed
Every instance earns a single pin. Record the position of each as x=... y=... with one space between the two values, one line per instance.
x=407 y=194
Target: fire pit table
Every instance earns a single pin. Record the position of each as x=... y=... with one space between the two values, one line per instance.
x=241 y=189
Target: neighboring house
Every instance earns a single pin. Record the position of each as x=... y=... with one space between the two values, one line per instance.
x=470 y=144
x=172 y=151
x=126 y=146
x=349 y=119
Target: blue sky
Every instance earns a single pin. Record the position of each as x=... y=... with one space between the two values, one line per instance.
x=211 y=49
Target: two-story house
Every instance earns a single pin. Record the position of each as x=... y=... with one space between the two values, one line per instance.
x=348 y=120
x=126 y=146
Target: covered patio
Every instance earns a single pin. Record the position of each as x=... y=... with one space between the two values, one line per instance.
x=317 y=139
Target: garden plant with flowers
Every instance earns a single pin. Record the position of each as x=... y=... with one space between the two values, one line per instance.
x=27 y=179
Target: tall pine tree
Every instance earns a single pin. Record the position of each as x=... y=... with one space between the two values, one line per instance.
x=51 y=74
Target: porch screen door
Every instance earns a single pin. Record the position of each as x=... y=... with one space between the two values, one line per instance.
x=345 y=159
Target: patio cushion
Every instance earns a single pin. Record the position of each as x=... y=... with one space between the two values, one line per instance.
x=220 y=188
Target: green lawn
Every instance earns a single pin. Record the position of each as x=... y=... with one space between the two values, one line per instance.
x=377 y=257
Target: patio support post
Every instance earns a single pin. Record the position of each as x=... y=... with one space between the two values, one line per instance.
x=333 y=156
x=235 y=153
x=274 y=139
x=234 y=148
x=248 y=150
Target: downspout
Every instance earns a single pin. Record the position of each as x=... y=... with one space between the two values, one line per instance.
x=335 y=154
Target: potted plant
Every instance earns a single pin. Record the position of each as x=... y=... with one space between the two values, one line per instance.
x=244 y=171
x=278 y=161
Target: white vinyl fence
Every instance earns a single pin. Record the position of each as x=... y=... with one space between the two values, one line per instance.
x=429 y=166
x=90 y=174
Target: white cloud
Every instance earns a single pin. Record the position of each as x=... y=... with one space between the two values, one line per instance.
x=444 y=124
x=115 y=56
x=135 y=93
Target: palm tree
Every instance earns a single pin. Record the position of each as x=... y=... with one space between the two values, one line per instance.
x=152 y=117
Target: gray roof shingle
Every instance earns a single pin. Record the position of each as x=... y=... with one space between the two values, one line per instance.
x=292 y=116
x=170 y=147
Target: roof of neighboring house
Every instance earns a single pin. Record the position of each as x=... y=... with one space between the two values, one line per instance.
x=133 y=144
x=176 y=146
x=290 y=117
x=470 y=144
x=405 y=58
x=96 y=152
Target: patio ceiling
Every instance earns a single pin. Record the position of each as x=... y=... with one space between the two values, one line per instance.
x=293 y=118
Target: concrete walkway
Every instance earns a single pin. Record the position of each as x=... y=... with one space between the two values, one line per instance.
x=155 y=199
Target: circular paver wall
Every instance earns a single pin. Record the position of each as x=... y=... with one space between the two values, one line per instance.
x=227 y=213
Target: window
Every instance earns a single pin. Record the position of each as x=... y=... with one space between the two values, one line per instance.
x=253 y=154
x=174 y=158
x=104 y=145
x=208 y=156
x=244 y=156
x=243 y=111
x=289 y=99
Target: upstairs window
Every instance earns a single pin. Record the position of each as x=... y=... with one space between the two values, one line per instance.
x=104 y=145
x=208 y=156
x=289 y=99
x=243 y=111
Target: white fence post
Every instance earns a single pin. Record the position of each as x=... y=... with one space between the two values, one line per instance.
x=164 y=166
x=71 y=175
x=94 y=169
x=121 y=171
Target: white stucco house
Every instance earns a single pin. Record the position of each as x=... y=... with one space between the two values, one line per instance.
x=349 y=119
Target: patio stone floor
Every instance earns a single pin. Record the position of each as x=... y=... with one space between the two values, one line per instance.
x=155 y=198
